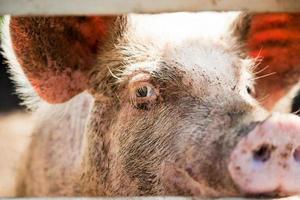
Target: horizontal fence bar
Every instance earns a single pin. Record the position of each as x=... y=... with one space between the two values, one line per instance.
x=90 y=7
x=151 y=198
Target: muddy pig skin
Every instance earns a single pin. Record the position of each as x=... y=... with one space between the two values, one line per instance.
x=160 y=104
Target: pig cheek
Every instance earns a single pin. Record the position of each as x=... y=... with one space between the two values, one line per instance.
x=118 y=176
x=177 y=181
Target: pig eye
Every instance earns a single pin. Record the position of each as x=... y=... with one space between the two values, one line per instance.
x=144 y=91
x=144 y=96
x=250 y=90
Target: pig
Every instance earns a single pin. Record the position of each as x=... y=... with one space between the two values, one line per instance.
x=150 y=104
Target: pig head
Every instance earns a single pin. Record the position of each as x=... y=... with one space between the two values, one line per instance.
x=167 y=103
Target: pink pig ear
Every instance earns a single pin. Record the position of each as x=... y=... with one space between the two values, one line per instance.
x=56 y=53
x=275 y=38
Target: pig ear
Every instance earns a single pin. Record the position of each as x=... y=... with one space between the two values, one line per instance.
x=240 y=31
x=275 y=38
x=56 y=53
x=241 y=26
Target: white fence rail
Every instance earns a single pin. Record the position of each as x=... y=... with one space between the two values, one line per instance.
x=89 y=7
x=153 y=198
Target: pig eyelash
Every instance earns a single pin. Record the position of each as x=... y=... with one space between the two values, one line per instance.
x=261 y=70
x=113 y=75
x=256 y=64
x=263 y=76
x=257 y=61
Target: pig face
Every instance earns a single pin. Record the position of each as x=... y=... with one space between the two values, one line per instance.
x=173 y=98
x=180 y=104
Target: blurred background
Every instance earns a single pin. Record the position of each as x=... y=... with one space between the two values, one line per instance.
x=15 y=128
x=9 y=101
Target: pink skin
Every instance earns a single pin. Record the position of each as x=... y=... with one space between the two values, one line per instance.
x=268 y=159
x=58 y=88
x=175 y=139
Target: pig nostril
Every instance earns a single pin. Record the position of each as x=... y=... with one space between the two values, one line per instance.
x=297 y=154
x=263 y=153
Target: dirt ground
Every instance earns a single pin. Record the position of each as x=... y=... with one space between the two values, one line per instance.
x=15 y=129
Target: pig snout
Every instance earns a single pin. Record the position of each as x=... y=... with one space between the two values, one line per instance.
x=267 y=160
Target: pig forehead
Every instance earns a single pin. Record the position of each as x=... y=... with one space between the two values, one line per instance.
x=199 y=42
x=205 y=60
x=199 y=67
x=204 y=68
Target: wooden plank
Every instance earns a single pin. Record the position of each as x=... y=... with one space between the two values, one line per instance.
x=90 y=7
x=152 y=198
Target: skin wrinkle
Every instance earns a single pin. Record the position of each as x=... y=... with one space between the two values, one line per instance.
x=200 y=111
